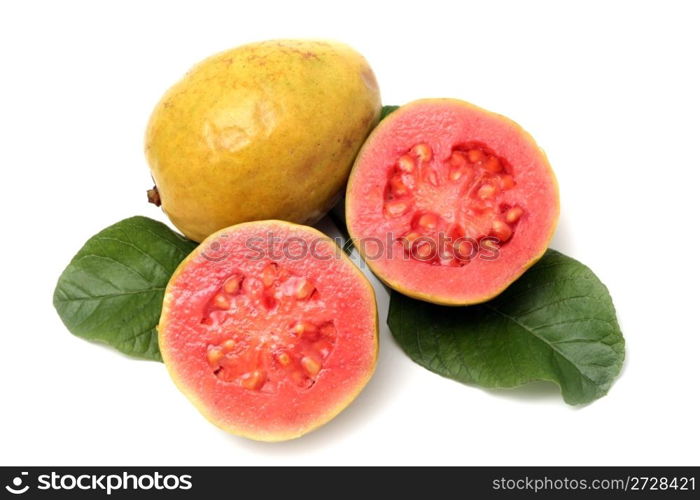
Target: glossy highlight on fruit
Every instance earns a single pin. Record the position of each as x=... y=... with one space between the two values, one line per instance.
x=268 y=130
x=269 y=329
x=450 y=203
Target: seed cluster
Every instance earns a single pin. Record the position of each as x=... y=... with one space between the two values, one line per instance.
x=447 y=205
x=295 y=349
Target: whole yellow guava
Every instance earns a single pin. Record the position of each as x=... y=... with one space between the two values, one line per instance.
x=267 y=130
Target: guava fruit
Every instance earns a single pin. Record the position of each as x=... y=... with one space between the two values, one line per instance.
x=450 y=203
x=267 y=130
x=269 y=329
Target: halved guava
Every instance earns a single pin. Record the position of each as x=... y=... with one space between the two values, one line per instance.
x=269 y=329
x=450 y=203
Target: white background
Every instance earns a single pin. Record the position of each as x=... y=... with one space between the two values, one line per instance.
x=610 y=91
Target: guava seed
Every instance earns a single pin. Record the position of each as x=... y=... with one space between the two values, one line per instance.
x=501 y=230
x=507 y=182
x=304 y=289
x=214 y=354
x=486 y=191
x=428 y=221
x=269 y=273
x=284 y=359
x=458 y=159
x=423 y=152
x=475 y=155
x=396 y=208
x=406 y=164
x=232 y=285
x=398 y=187
x=310 y=365
x=513 y=215
x=221 y=301
x=493 y=165
x=253 y=380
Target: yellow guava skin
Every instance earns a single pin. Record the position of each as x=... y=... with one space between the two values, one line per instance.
x=267 y=130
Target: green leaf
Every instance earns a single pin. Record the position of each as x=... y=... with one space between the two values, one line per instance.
x=556 y=323
x=386 y=111
x=112 y=290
